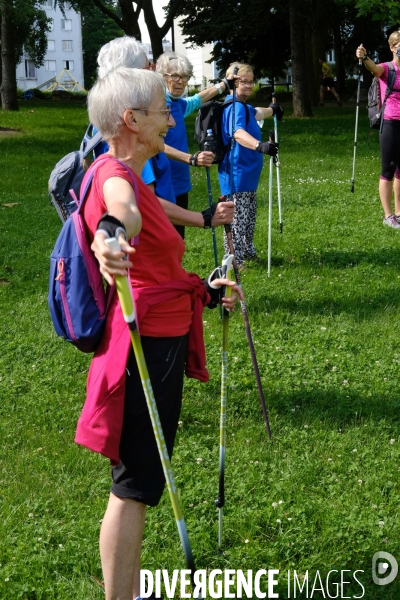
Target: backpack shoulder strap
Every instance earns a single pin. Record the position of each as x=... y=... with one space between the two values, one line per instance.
x=90 y=141
x=391 y=79
x=88 y=178
x=230 y=101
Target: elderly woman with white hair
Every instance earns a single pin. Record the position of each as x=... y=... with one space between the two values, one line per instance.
x=126 y=51
x=176 y=71
x=128 y=108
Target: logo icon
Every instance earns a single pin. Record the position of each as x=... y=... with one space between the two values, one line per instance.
x=385 y=564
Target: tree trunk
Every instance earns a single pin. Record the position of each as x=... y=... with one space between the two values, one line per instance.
x=129 y=19
x=313 y=84
x=8 y=87
x=301 y=98
x=154 y=30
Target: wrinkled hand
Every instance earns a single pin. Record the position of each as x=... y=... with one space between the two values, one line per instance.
x=205 y=159
x=229 y=303
x=223 y=214
x=270 y=148
x=277 y=110
x=112 y=263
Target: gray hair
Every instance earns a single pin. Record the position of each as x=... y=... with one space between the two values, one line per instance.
x=121 y=52
x=118 y=91
x=170 y=62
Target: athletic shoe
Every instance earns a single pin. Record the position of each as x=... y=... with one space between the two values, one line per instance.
x=397 y=218
x=340 y=103
x=391 y=221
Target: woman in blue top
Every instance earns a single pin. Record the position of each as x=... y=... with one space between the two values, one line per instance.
x=247 y=160
x=177 y=70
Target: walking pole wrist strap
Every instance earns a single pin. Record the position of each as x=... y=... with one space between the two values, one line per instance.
x=208 y=214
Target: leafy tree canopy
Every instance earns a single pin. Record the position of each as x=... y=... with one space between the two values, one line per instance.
x=256 y=32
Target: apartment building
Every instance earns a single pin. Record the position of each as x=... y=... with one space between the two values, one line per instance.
x=64 y=49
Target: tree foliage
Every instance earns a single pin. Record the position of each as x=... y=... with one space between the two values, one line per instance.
x=24 y=24
x=256 y=32
x=97 y=30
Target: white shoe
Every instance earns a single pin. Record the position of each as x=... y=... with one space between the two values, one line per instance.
x=391 y=221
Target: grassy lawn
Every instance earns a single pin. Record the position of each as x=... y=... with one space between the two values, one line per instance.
x=324 y=494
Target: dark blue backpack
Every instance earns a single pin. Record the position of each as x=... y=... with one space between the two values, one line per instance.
x=77 y=298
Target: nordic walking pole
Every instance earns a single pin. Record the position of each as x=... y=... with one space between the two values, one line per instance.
x=248 y=332
x=235 y=71
x=277 y=165
x=271 y=162
x=214 y=237
x=210 y=201
x=125 y=297
x=219 y=503
x=356 y=128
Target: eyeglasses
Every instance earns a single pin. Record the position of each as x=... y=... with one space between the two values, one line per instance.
x=247 y=83
x=164 y=111
x=177 y=77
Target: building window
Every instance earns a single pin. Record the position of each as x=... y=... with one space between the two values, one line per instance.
x=30 y=71
x=50 y=65
x=47 y=3
x=66 y=24
x=51 y=45
x=69 y=65
x=67 y=45
x=50 y=23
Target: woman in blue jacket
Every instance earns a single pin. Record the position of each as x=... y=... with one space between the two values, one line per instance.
x=177 y=70
x=247 y=160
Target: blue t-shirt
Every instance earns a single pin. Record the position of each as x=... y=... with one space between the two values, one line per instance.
x=247 y=163
x=147 y=173
x=176 y=137
x=162 y=172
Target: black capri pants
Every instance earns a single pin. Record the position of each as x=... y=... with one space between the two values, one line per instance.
x=390 y=149
x=139 y=475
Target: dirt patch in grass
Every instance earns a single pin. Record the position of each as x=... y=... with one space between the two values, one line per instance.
x=4 y=131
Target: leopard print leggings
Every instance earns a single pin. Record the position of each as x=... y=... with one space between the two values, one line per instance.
x=243 y=225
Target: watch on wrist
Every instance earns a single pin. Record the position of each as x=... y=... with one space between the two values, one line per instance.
x=208 y=215
x=219 y=88
x=257 y=146
x=193 y=159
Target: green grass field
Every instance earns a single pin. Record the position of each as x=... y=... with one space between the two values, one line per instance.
x=325 y=493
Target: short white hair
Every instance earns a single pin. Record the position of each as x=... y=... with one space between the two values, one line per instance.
x=120 y=90
x=122 y=52
x=170 y=62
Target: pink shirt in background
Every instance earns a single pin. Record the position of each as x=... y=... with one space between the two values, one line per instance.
x=392 y=108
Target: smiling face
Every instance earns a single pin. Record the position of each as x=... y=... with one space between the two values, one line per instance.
x=245 y=84
x=153 y=124
x=394 y=49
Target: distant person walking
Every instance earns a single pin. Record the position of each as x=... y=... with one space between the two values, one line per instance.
x=389 y=137
x=328 y=83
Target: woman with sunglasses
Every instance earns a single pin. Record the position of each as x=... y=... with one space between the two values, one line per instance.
x=247 y=158
x=389 y=137
x=176 y=71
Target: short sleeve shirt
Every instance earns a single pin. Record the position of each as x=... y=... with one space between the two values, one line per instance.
x=247 y=163
x=392 y=108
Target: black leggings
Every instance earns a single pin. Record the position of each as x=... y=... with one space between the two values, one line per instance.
x=390 y=149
